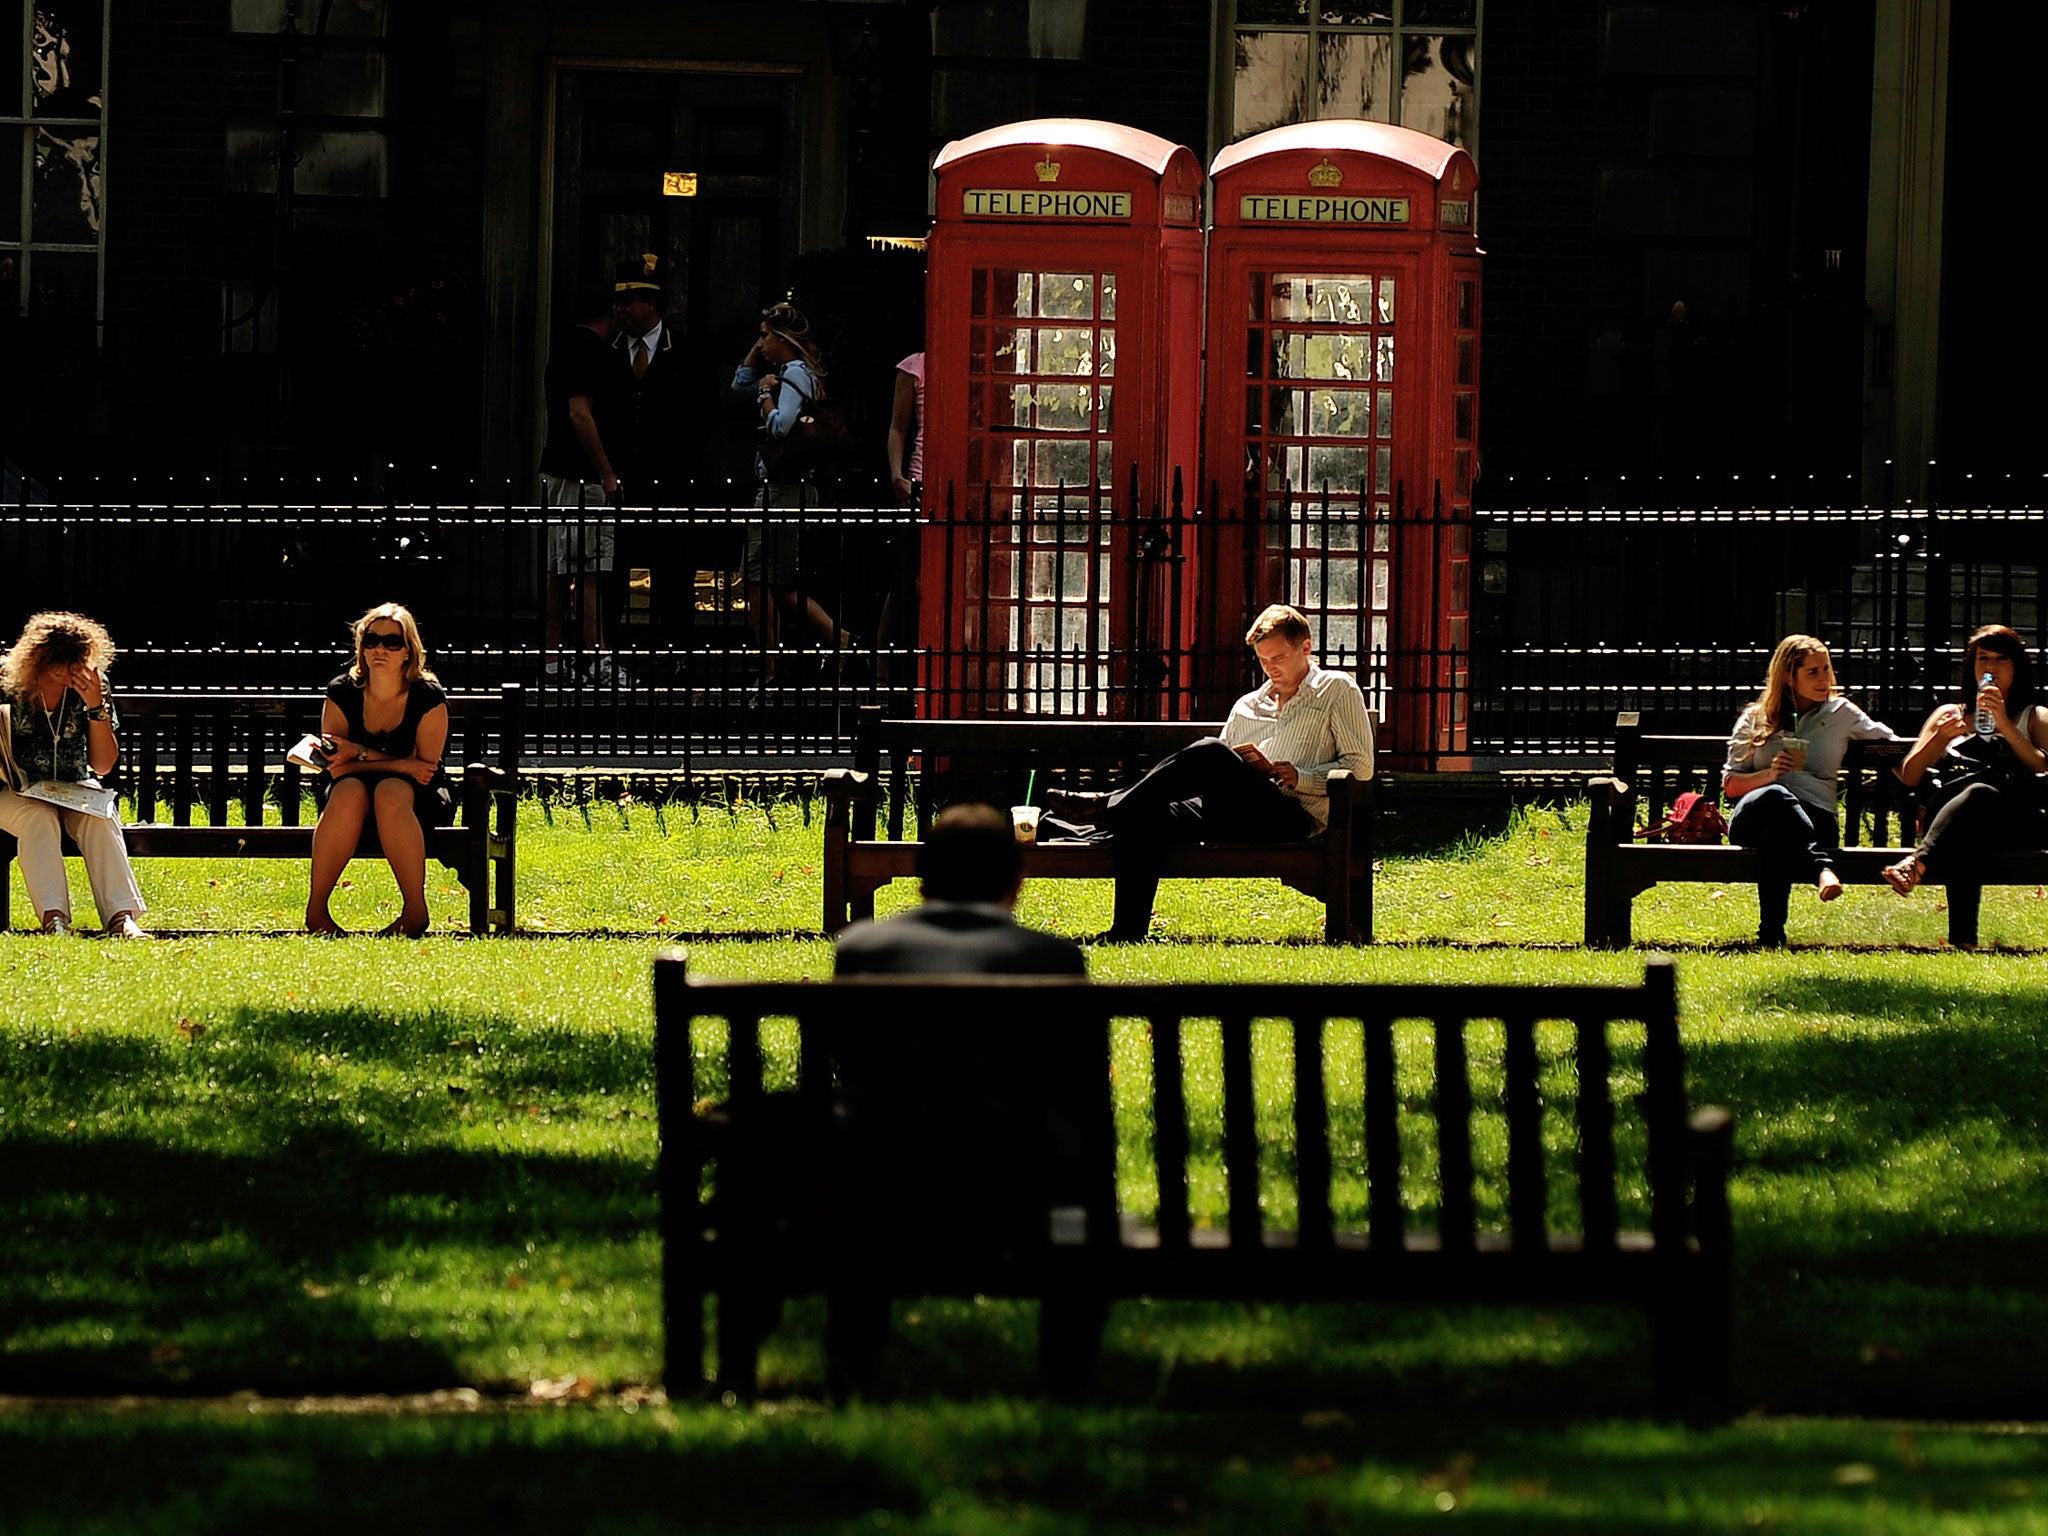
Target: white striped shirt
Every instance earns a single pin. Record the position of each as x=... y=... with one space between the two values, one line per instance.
x=1324 y=726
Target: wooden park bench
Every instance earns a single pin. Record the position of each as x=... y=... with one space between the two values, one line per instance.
x=214 y=751
x=1651 y=771
x=928 y=764
x=982 y=1156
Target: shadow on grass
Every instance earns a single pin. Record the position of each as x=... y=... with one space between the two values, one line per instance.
x=999 y=1466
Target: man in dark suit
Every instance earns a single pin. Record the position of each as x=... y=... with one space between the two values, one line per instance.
x=664 y=414
x=972 y=869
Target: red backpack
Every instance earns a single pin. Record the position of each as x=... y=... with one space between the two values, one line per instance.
x=1693 y=818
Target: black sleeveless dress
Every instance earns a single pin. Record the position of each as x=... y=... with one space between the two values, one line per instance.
x=434 y=801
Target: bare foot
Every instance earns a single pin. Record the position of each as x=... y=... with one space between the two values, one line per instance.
x=1829 y=884
x=1905 y=876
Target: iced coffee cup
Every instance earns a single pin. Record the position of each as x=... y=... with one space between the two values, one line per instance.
x=1795 y=749
x=1024 y=819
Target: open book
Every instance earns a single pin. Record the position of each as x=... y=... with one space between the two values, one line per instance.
x=89 y=798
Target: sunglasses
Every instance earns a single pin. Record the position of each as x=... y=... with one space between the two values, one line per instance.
x=393 y=641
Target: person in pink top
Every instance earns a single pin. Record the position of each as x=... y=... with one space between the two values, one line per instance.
x=906 y=429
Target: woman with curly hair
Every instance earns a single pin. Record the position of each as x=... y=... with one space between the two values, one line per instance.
x=388 y=720
x=1780 y=776
x=64 y=730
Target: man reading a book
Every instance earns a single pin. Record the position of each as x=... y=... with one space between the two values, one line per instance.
x=1265 y=779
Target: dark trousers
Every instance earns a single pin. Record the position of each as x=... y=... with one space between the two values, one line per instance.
x=1204 y=793
x=1979 y=819
x=1797 y=843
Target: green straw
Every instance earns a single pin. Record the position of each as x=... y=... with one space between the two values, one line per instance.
x=1030 y=785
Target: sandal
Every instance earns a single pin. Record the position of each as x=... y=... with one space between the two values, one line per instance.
x=1906 y=875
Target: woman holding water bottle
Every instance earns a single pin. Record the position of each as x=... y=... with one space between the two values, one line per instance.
x=1980 y=760
x=1780 y=776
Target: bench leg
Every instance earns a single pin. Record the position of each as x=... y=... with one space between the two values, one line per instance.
x=856 y=1334
x=1070 y=1342
x=479 y=882
x=745 y=1318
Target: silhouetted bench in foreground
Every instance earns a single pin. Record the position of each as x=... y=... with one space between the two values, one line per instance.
x=214 y=751
x=874 y=1139
x=939 y=762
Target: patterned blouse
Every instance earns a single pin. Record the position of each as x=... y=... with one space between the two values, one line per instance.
x=52 y=744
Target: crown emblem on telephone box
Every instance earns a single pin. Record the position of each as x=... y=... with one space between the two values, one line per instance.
x=1048 y=169
x=1325 y=175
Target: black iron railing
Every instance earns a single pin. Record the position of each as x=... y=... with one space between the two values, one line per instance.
x=1083 y=606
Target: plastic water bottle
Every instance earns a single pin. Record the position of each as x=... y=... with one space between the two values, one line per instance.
x=1986 y=726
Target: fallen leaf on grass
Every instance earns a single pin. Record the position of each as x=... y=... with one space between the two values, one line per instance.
x=317 y=1291
x=1538 y=860
x=190 y=1030
x=1446 y=895
x=515 y=1282
x=573 y=1388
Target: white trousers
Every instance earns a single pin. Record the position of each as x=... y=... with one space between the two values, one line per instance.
x=37 y=826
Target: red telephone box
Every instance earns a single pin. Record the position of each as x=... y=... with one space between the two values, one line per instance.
x=1063 y=369
x=1343 y=410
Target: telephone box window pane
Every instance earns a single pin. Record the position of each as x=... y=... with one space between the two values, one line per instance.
x=1021 y=305
x=1383 y=477
x=1012 y=352
x=1255 y=354
x=1436 y=88
x=63 y=287
x=1321 y=355
x=1287 y=411
x=977 y=349
x=1060 y=463
x=1109 y=295
x=1062 y=407
x=977 y=408
x=1386 y=301
x=1384 y=427
x=1252 y=423
x=1106 y=364
x=1382 y=532
x=1065 y=351
x=1462 y=459
x=1272 y=81
x=1441 y=13
x=1466 y=353
x=977 y=293
x=1102 y=393
x=1340 y=413
x=1468 y=305
x=1066 y=295
x=977 y=462
x=1356 y=77
x=10 y=188
x=1382 y=593
x=1340 y=469
x=1284 y=468
x=1340 y=529
x=1461 y=584
x=64 y=61
x=1386 y=360
x=1270 y=12
x=1256 y=296
x=67 y=186
x=1300 y=296
x=1357 y=13
x=1464 y=403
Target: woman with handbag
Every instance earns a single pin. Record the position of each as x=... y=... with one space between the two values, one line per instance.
x=786 y=376
x=63 y=732
x=1780 y=776
x=1983 y=789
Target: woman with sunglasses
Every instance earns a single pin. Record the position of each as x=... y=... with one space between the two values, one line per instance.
x=388 y=720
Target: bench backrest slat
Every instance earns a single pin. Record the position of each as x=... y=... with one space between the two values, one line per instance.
x=1527 y=1199
x=146 y=772
x=1598 y=1219
x=1241 y=1132
x=218 y=783
x=1170 y=1133
x=1311 y=1135
x=1456 y=1224
x=1385 y=1221
x=181 y=772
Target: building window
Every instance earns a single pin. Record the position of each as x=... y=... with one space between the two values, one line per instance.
x=1413 y=62
x=52 y=173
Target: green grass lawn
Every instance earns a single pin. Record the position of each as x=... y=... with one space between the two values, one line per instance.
x=250 y=1161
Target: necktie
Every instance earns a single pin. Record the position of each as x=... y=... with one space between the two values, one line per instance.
x=639 y=357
